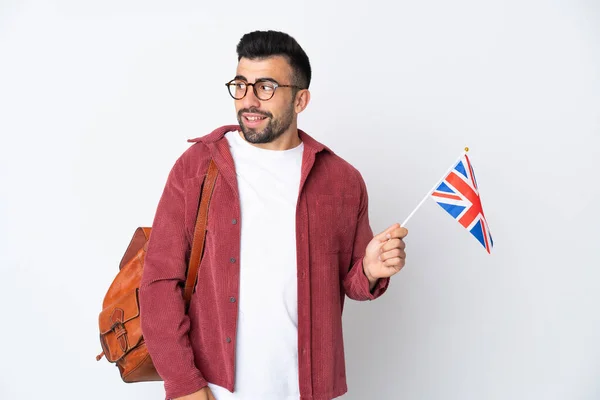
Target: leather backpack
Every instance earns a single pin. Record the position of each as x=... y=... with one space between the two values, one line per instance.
x=121 y=334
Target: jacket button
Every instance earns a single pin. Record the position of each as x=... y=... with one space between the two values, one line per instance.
x=228 y=339
x=234 y=221
x=232 y=299
x=232 y=260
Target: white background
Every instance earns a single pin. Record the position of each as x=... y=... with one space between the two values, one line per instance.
x=97 y=100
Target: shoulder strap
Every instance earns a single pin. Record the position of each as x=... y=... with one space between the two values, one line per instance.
x=200 y=232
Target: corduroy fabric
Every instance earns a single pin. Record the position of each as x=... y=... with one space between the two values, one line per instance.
x=332 y=230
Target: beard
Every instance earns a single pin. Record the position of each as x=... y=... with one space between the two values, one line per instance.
x=274 y=129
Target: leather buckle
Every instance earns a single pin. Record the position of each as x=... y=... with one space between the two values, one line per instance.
x=117 y=326
x=119 y=329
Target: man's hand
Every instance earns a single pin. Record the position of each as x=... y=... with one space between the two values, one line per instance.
x=202 y=394
x=385 y=255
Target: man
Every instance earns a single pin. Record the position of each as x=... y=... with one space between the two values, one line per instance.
x=288 y=237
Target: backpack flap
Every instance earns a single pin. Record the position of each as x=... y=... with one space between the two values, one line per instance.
x=138 y=241
x=120 y=326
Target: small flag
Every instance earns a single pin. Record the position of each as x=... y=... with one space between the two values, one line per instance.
x=459 y=196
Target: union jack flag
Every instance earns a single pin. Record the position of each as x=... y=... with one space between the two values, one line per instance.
x=459 y=196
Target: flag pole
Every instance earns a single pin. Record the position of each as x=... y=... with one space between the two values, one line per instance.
x=435 y=186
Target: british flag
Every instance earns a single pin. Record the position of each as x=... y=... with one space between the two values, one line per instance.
x=459 y=196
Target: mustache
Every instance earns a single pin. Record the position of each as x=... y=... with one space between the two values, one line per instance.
x=254 y=111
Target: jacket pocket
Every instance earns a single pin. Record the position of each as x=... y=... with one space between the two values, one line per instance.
x=334 y=222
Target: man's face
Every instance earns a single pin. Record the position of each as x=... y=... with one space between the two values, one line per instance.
x=264 y=121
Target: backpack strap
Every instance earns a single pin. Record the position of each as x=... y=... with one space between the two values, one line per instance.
x=200 y=232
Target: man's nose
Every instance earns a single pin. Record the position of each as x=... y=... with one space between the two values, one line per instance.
x=250 y=100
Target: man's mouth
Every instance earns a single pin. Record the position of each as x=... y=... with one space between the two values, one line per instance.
x=253 y=119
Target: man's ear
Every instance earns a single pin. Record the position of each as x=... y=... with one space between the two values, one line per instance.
x=302 y=100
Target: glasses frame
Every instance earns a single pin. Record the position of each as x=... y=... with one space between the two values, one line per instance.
x=275 y=83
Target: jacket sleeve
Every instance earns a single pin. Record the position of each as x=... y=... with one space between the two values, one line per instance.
x=356 y=283
x=165 y=325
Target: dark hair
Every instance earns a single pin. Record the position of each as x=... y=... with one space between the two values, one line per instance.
x=262 y=44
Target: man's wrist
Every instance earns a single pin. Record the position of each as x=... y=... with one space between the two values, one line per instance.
x=370 y=277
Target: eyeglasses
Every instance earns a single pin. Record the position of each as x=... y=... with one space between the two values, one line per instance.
x=264 y=89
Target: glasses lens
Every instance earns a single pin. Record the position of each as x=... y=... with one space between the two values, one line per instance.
x=264 y=90
x=237 y=89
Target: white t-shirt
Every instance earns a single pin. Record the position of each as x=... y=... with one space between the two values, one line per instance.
x=267 y=330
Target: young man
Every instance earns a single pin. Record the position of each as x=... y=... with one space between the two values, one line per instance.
x=288 y=237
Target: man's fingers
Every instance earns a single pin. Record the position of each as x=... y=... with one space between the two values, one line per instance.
x=392 y=253
x=394 y=262
x=392 y=244
x=395 y=253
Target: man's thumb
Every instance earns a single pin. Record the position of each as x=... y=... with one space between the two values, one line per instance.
x=383 y=236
